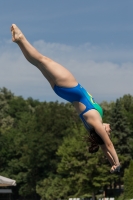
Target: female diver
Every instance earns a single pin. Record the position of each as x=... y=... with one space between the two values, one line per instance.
x=66 y=86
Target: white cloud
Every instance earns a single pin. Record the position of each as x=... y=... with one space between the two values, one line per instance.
x=106 y=73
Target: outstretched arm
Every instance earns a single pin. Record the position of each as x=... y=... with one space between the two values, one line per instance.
x=114 y=167
x=108 y=155
x=103 y=147
x=93 y=118
x=100 y=130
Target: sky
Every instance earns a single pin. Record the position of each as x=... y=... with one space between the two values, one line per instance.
x=92 y=39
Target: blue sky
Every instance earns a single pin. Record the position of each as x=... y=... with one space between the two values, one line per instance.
x=93 y=39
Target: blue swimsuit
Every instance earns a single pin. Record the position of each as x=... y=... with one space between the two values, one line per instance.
x=78 y=93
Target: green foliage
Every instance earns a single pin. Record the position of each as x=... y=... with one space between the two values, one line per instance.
x=42 y=147
x=128 y=182
x=6 y=121
x=53 y=188
x=121 y=197
x=121 y=134
x=80 y=173
x=107 y=108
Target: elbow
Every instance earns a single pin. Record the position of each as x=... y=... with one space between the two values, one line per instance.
x=109 y=145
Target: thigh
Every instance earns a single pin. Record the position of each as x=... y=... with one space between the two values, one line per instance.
x=46 y=75
x=57 y=73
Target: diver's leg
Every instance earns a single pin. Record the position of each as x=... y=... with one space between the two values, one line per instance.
x=54 y=72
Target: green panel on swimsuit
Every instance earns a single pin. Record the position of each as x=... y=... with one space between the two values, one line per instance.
x=96 y=106
x=99 y=109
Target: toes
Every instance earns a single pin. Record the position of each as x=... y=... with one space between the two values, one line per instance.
x=12 y=28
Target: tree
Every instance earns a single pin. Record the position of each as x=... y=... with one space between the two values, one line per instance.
x=79 y=172
x=107 y=108
x=127 y=101
x=121 y=137
x=35 y=139
x=128 y=182
x=121 y=134
x=6 y=121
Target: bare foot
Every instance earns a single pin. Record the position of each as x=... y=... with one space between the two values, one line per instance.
x=16 y=33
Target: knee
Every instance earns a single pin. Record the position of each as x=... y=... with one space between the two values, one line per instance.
x=40 y=58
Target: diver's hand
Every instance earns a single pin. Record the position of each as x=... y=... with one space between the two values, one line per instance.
x=115 y=168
